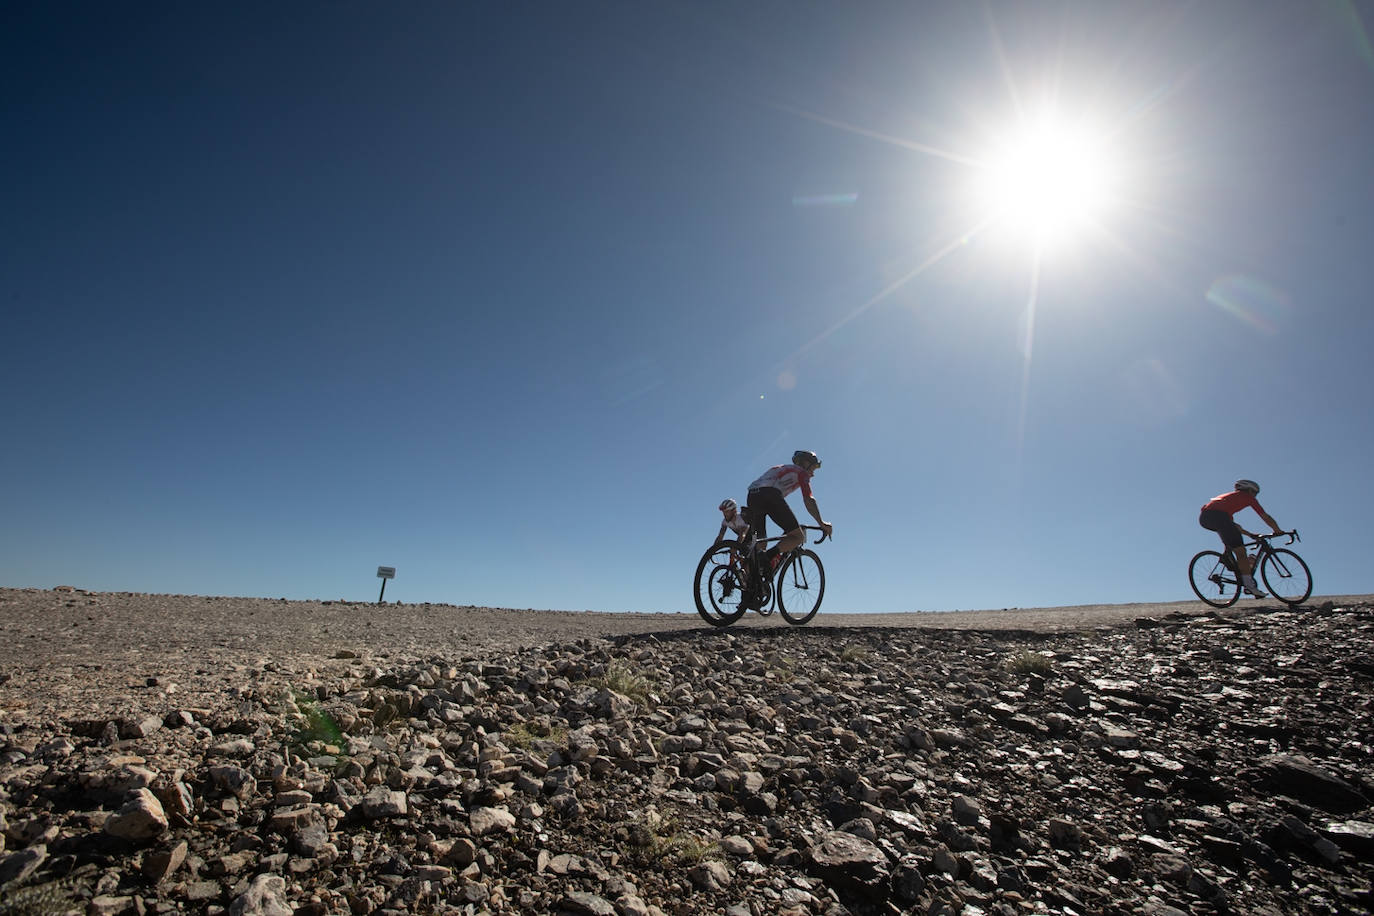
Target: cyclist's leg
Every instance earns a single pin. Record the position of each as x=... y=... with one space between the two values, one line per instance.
x=1231 y=539
x=1234 y=539
x=1235 y=543
x=758 y=521
x=793 y=539
x=757 y=517
x=772 y=502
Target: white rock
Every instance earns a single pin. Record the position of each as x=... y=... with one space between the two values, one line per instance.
x=486 y=821
x=383 y=802
x=141 y=818
x=264 y=897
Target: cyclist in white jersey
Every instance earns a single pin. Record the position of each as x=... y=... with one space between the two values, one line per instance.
x=768 y=499
x=733 y=519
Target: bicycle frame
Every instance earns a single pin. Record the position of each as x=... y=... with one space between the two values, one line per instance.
x=750 y=544
x=1264 y=549
x=750 y=541
x=1258 y=547
x=1262 y=546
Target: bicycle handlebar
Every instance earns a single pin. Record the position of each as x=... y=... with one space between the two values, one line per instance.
x=1291 y=535
x=760 y=541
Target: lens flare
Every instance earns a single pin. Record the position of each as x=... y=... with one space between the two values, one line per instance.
x=1252 y=301
x=1348 y=18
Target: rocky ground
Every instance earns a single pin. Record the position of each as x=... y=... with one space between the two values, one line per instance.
x=1179 y=761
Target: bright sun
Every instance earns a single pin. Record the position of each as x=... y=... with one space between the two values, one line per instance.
x=1047 y=182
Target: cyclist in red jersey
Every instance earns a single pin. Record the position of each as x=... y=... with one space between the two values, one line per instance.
x=768 y=499
x=1217 y=515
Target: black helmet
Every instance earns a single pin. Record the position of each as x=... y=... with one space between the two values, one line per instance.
x=803 y=459
x=1250 y=485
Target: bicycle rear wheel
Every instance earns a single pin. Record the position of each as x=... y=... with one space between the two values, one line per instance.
x=719 y=586
x=1211 y=578
x=800 y=587
x=1286 y=576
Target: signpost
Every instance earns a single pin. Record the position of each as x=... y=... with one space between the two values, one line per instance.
x=384 y=573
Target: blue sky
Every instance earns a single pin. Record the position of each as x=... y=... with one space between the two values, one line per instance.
x=510 y=295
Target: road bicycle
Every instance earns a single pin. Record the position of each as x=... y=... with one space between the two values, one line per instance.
x=1215 y=580
x=729 y=581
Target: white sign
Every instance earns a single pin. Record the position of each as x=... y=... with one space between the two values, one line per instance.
x=386 y=572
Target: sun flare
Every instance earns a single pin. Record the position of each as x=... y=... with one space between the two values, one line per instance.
x=1047 y=182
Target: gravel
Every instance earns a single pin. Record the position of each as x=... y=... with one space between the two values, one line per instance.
x=181 y=753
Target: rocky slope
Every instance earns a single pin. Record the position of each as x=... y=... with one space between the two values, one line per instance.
x=1184 y=764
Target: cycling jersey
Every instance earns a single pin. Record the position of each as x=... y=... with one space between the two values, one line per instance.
x=737 y=524
x=785 y=478
x=1233 y=502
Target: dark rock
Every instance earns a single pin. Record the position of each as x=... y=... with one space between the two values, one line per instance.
x=1355 y=837
x=16 y=867
x=845 y=857
x=907 y=882
x=1117 y=862
x=1295 y=775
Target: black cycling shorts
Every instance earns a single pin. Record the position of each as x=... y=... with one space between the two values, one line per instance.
x=1222 y=523
x=766 y=503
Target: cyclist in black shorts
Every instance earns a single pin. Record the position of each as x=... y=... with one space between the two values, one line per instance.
x=768 y=499
x=1218 y=515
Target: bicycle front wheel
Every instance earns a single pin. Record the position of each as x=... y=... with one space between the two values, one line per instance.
x=1212 y=580
x=719 y=585
x=800 y=587
x=1286 y=576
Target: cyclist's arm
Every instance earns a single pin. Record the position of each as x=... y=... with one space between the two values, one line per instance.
x=815 y=510
x=1268 y=520
x=720 y=535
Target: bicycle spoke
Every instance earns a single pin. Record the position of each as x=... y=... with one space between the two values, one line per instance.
x=801 y=586
x=1212 y=580
x=719 y=586
x=1286 y=576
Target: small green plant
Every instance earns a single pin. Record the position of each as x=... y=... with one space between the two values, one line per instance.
x=1028 y=662
x=853 y=653
x=626 y=681
x=666 y=842
x=779 y=668
x=686 y=849
x=319 y=725
x=52 y=898
x=524 y=735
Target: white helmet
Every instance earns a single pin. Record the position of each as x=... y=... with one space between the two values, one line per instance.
x=727 y=504
x=1250 y=485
